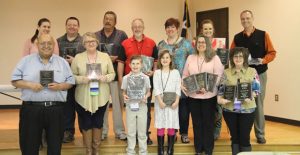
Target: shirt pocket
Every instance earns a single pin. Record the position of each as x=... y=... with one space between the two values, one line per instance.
x=59 y=76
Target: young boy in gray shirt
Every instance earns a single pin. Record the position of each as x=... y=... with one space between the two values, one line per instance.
x=136 y=89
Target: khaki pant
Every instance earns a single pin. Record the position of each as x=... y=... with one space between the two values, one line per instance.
x=259 y=122
x=117 y=104
x=136 y=122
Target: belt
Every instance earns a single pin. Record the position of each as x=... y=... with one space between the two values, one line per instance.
x=43 y=103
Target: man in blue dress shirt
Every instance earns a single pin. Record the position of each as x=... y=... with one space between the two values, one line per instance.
x=42 y=106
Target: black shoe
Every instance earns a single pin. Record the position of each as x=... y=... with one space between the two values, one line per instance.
x=235 y=149
x=261 y=141
x=246 y=149
x=41 y=146
x=149 y=141
x=185 y=139
x=171 y=140
x=68 y=137
x=160 y=145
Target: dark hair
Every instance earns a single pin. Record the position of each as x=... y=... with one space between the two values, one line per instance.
x=73 y=18
x=41 y=21
x=206 y=21
x=249 y=11
x=161 y=54
x=111 y=13
x=136 y=57
x=172 y=21
x=237 y=50
x=208 y=53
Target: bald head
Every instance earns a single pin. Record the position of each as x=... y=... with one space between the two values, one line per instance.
x=45 y=44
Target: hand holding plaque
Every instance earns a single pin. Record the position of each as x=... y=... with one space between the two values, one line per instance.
x=46 y=77
x=244 y=91
x=211 y=82
x=223 y=55
x=70 y=51
x=147 y=63
x=135 y=88
x=202 y=81
x=190 y=84
x=169 y=98
x=93 y=71
x=107 y=47
x=254 y=61
x=229 y=92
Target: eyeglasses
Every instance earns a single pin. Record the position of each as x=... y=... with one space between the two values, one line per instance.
x=46 y=43
x=137 y=27
x=238 y=56
x=90 y=42
x=201 y=42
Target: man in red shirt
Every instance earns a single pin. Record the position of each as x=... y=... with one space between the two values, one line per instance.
x=138 y=44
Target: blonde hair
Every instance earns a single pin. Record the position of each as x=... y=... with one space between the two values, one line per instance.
x=89 y=34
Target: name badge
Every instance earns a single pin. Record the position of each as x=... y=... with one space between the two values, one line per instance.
x=237 y=105
x=134 y=106
x=94 y=88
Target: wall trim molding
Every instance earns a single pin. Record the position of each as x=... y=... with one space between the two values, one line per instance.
x=282 y=120
x=11 y=106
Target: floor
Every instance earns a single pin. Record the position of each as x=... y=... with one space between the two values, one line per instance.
x=276 y=133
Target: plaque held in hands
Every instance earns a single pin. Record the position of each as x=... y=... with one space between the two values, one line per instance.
x=46 y=77
x=211 y=82
x=169 y=98
x=147 y=63
x=93 y=70
x=190 y=84
x=201 y=79
x=135 y=88
x=229 y=92
x=244 y=90
x=223 y=55
x=71 y=51
x=107 y=47
x=253 y=61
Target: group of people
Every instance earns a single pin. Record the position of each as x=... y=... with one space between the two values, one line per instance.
x=51 y=108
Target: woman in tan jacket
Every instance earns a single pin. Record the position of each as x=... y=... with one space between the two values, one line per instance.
x=93 y=70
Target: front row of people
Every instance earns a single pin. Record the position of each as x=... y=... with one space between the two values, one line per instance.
x=42 y=106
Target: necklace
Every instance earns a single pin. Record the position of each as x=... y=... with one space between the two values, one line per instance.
x=162 y=84
x=94 y=60
x=174 y=43
x=199 y=67
x=139 y=48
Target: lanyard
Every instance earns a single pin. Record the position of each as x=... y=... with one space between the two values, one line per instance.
x=139 y=49
x=162 y=84
x=175 y=45
x=89 y=61
x=199 y=68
